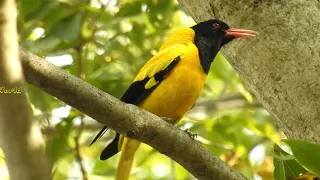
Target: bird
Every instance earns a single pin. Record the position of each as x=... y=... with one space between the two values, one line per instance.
x=169 y=84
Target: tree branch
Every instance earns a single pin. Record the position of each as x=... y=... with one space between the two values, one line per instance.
x=126 y=119
x=281 y=65
x=226 y=102
x=20 y=136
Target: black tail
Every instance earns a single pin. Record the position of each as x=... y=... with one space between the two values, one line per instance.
x=111 y=149
x=99 y=135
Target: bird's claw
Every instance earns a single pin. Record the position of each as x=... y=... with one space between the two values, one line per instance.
x=192 y=135
x=169 y=120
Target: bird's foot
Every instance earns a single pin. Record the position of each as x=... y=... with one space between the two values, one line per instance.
x=192 y=135
x=169 y=120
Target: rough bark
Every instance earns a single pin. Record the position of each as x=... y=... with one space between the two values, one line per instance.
x=281 y=65
x=126 y=119
x=20 y=137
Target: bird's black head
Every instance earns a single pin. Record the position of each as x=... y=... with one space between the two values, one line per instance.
x=212 y=29
x=211 y=35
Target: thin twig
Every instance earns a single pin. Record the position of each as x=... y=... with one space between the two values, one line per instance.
x=227 y=102
x=216 y=145
x=77 y=151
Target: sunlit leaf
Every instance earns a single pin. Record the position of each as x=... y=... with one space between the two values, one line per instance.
x=307 y=154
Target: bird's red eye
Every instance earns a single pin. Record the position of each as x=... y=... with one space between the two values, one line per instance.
x=216 y=26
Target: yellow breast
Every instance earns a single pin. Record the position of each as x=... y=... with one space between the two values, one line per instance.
x=177 y=93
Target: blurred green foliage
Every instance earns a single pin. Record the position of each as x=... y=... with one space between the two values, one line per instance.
x=306 y=154
x=105 y=43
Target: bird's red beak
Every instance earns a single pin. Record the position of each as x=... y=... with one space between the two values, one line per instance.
x=240 y=33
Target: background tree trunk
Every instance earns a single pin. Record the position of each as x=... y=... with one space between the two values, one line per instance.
x=281 y=65
x=20 y=136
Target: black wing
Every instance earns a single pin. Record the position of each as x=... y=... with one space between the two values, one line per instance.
x=135 y=94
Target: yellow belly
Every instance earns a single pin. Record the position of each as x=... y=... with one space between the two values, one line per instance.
x=178 y=92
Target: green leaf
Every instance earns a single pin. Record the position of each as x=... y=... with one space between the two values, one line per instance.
x=288 y=169
x=26 y=7
x=68 y=29
x=45 y=44
x=57 y=145
x=130 y=9
x=307 y=154
x=285 y=168
x=136 y=34
x=279 y=170
x=56 y=14
x=43 y=10
x=42 y=100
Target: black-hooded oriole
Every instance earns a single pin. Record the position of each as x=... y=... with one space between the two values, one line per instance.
x=169 y=84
